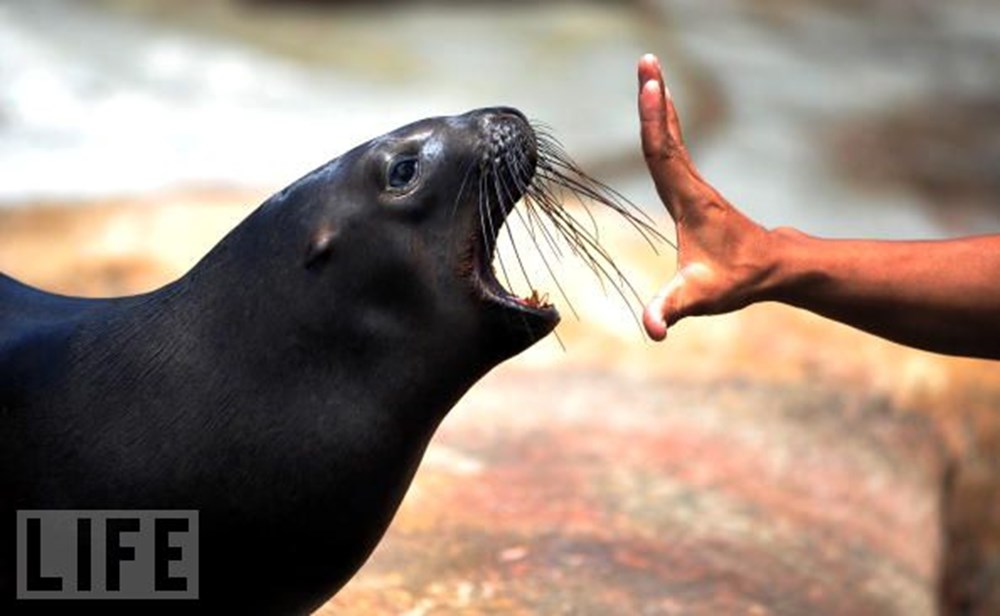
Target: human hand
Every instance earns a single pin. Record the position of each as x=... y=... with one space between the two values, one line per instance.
x=723 y=260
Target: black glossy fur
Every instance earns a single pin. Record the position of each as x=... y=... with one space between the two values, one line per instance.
x=286 y=387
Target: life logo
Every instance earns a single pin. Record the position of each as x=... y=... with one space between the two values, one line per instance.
x=114 y=554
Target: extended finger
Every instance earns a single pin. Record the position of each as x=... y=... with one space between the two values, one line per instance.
x=663 y=309
x=657 y=143
x=665 y=158
x=651 y=70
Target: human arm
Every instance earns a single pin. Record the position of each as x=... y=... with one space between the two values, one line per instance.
x=942 y=296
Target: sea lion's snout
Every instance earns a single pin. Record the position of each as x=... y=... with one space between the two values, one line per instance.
x=510 y=153
x=507 y=133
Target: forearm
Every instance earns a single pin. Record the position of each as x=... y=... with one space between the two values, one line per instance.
x=942 y=296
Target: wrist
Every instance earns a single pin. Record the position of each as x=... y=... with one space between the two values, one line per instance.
x=786 y=263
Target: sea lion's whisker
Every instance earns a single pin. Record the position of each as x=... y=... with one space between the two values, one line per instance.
x=490 y=240
x=461 y=189
x=578 y=241
x=583 y=242
x=543 y=202
x=455 y=205
x=565 y=223
x=574 y=239
x=500 y=186
x=557 y=155
x=518 y=172
x=648 y=234
x=603 y=273
x=583 y=239
x=537 y=211
x=558 y=218
x=522 y=174
x=577 y=191
x=535 y=219
x=561 y=169
x=533 y=215
x=578 y=188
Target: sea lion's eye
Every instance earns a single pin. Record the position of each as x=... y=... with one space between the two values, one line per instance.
x=402 y=171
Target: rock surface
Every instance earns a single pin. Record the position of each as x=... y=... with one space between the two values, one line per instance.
x=577 y=492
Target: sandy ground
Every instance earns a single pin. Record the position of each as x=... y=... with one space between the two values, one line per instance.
x=577 y=480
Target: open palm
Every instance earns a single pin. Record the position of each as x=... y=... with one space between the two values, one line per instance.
x=719 y=263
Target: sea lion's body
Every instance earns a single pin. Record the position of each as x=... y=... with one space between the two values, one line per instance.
x=287 y=386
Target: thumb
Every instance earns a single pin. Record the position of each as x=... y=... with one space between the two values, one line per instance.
x=664 y=308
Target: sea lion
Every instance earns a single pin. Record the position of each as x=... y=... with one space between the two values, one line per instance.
x=287 y=386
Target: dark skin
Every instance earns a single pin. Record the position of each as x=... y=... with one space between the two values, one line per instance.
x=941 y=296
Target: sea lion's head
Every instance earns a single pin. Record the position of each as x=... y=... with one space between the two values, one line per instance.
x=442 y=189
x=396 y=238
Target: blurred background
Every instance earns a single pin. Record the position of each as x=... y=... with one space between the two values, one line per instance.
x=761 y=462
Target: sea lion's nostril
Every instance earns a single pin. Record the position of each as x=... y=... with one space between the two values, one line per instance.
x=504 y=132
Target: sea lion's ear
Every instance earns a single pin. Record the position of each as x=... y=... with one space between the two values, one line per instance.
x=320 y=247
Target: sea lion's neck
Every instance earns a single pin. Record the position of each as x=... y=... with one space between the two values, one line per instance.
x=237 y=298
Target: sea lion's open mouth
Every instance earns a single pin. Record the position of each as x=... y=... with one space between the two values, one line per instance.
x=536 y=303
